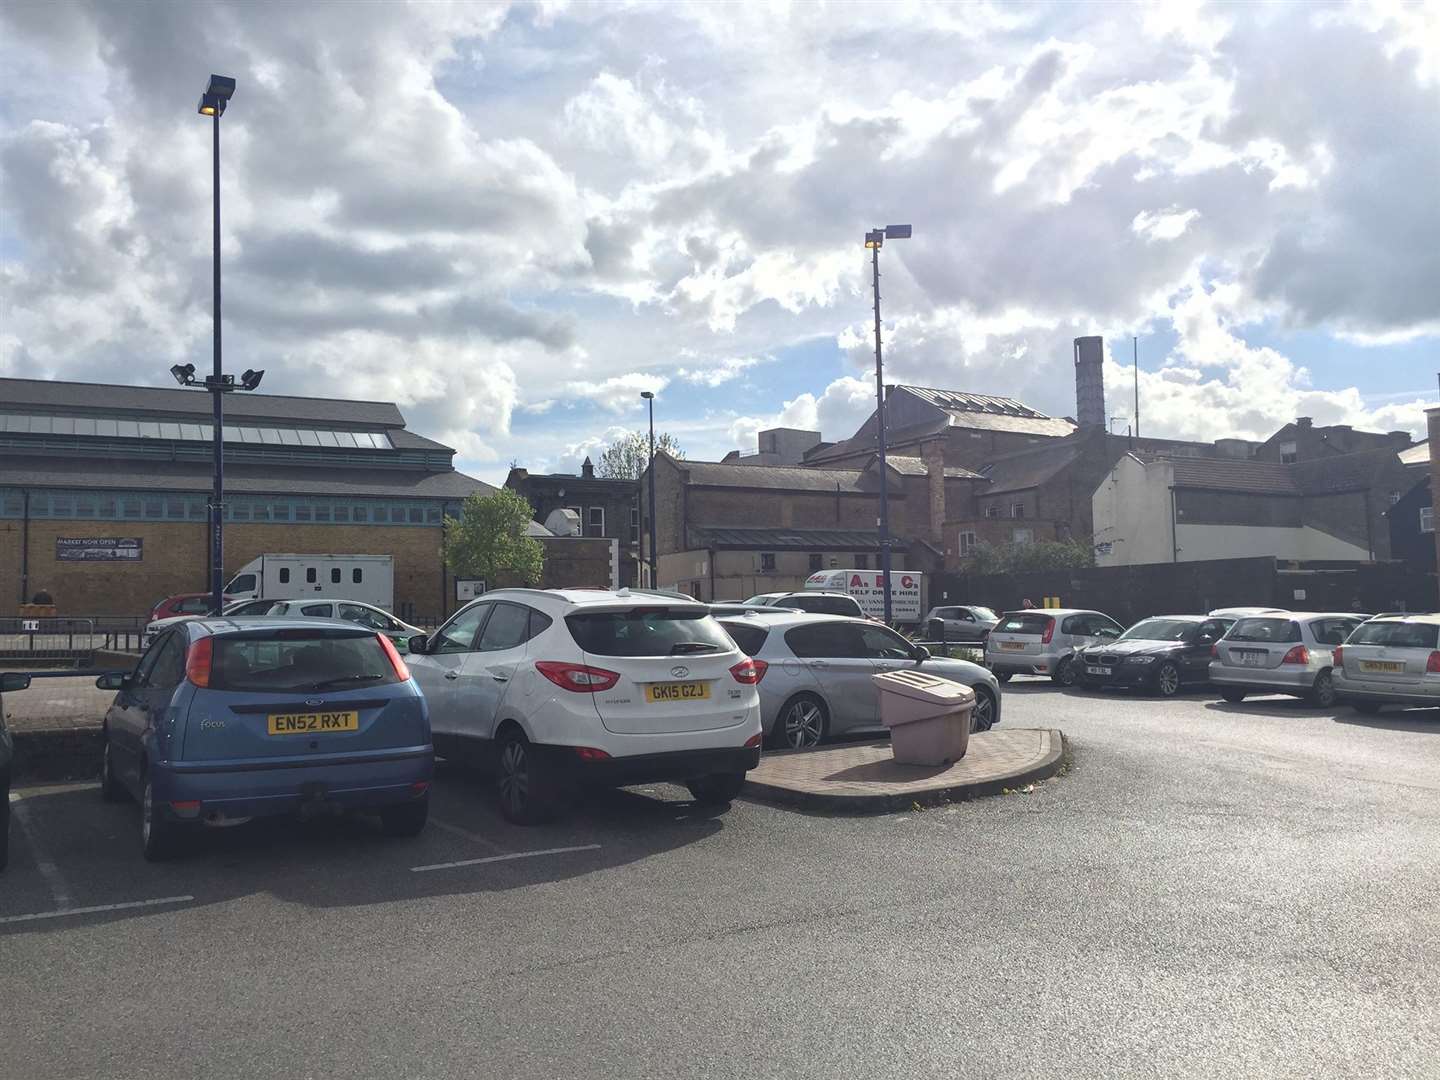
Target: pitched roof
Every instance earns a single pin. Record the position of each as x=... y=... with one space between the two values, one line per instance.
x=906 y=465
x=110 y=399
x=774 y=477
x=788 y=539
x=1220 y=474
x=1343 y=472
x=1419 y=454
x=987 y=412
x=1025 y=469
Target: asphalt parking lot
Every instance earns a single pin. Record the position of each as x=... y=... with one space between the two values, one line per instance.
x=1211 y=890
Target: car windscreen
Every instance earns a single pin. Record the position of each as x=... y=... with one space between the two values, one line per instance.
x=1162 y=630
x=286 y=661
x=764 y=599
x=985 y=614
x=1023 y=623
x=750 y=639
x=648 y=631
x=1276 y=631
x=1398 y=635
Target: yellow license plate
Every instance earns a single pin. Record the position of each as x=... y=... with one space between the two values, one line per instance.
x=1016 y=645
x=313 y=723
x=1382 y=665
x=677 y=691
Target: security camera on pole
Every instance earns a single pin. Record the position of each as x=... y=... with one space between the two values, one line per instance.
x=874 y=239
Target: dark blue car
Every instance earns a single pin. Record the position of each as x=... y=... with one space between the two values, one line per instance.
x=225 y=720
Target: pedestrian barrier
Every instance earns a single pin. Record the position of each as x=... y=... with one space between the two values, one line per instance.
x=47 y=638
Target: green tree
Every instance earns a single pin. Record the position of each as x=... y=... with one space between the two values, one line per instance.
x=488 y=540
x=1045 y=555
x=627 y=456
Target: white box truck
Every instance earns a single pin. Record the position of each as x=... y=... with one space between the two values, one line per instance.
x=367 y=578
x=907 y=591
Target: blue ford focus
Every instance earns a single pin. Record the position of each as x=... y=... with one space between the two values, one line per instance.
x=224 y=720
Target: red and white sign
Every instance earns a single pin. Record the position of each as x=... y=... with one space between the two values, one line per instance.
x=868 y=589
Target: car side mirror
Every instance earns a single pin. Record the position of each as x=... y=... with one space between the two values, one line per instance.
x=13 y=680
x=417 y=643
x=920 y=654
x=114 y=680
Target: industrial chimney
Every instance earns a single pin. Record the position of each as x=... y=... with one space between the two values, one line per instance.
x=1090 y=381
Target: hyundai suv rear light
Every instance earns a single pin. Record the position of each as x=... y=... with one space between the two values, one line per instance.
x=402 y=673
x=749 y=671
x=578 y=678
x=1298 y=655
x=197 y=661
x=1049 y=632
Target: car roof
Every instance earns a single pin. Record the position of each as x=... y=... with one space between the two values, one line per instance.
x=1052 y=611
x=583 y=598
x=786 y=618
x=1183 y=618
x=1432 y=618
x=218 y=627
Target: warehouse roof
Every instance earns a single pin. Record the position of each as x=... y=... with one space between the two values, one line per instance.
x=1219 y=474
x=715 y=536
x=775 y=477
x=1026 y=469
x=907 y=465
x=111 y=400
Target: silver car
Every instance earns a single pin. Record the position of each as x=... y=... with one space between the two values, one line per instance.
x=960 y=623
x=816 y=680
x=367 y=615
x=1042 y=641
x=1288 y=652
x=1390 y=660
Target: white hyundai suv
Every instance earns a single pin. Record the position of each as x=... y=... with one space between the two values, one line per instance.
x=564 y=688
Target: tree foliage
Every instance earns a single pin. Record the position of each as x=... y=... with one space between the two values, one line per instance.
x=488 y=540
x=627 y=456
x=1045 y=555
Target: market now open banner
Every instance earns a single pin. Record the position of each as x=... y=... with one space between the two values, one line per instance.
x=99 y=548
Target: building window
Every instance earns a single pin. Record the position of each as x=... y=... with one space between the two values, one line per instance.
x=1021 y=536
x=335 y=575
x=634 y=520
x=1017 y=510
x=303 y=511
x=817 y=562
x=968 y=543
x=310 y=575
x=285 y=575
x=1427 y=519
x=356 y=575
x=595 y=524
x=862 y=562
x=993 y=510
x=767 y=562
x=1394 y=497
x=1288 y=454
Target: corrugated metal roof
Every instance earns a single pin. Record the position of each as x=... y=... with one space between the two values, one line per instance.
x=1218 y=474
x=774 y=477
x=110 y=400
x=290 y=480
x=789 y=539
x=989 y=413
x=1419 y=454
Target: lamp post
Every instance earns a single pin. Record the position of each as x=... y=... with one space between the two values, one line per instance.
x=649 y=397
x=874 y=239
x=212 y=104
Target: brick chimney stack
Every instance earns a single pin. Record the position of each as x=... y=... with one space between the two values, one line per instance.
x=1090 y=382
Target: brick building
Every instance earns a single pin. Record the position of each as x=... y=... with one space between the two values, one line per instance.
x=603 y=507
x=131 y=466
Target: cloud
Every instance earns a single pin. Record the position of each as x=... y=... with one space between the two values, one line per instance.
x=1163 y=224
x=619 y=393
x=718 y=373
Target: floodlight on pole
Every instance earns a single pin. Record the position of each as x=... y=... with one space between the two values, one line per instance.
x=874 y=241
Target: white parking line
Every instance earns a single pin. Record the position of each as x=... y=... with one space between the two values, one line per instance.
x=504 y=858
x=48 y=870
x=67 y=912
x=467 y=834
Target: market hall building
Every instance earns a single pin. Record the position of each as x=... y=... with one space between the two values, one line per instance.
x=104 y=490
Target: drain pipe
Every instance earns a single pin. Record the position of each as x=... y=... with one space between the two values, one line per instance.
x=24 y=544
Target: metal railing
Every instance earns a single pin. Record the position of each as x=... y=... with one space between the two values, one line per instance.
x=47 y=638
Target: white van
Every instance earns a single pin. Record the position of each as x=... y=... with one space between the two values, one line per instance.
x=367 y=578
x=907 y=591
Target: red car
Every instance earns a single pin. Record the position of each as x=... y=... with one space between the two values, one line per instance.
x=185 y=603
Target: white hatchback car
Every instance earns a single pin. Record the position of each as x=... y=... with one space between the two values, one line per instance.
x=563 y=688
x=1390 y=660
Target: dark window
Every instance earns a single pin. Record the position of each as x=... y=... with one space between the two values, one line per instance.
x=335 y=575
x=193 y=605
x=1017 y=510
x=750 y=639
x=1154 y=630
x=826 y=640
x=311 y=576
x=595 y=524
x=300 y=660
x=1024 y=623
x=539 y=623
x=317 y=611
x=303 y=512
x=285 y=575
x=246 y=582
x=506 y=629
x=817 y=562
x=458 y=635
x=767 y=562
x=862 y=562
x=366 y=617
x=1271 y=630
x=147 y=662
x=648 y=632
x=882 y=643
x=824 y=605
x=169 y=666
x=1398 y=635
x=356 y=575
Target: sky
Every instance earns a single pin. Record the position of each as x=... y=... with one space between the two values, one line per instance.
x=511 y=219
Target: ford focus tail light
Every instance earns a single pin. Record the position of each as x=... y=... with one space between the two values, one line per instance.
x=402 y=673
x=197 y=661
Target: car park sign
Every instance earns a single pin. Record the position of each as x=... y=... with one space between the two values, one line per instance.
x=868 y=589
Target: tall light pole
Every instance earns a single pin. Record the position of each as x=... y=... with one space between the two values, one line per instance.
x=212 y=104
x=874 y=239
x=649 y=396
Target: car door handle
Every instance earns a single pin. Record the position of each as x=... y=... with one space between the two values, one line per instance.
x=499 y=676
x=452 y=674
